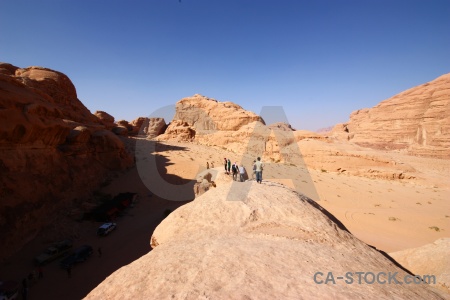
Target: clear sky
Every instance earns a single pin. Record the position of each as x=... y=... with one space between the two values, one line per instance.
x=320 y=60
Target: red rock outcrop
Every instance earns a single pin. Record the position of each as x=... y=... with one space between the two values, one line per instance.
x=53 y=151
x=417 y=120
x=105 y=118
x=256 y=241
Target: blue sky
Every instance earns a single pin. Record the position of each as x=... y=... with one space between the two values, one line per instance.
x=319 y=60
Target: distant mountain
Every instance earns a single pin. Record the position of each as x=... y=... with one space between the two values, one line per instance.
x=324 y=129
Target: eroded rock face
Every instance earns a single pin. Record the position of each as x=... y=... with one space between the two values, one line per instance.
x=150 y=127
x=253 y=241
x=178 y=130
x=52 y=151
x=204 y=113
x=417 y=120
x=227 y=125
x=105 y=118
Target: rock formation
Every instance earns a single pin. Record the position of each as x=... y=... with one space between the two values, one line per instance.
x=208 y=114
x=227 y=125
x=255 y=241
x=178 y=130
x=150 y=127
x=53 y=151
x=204 y=183
x=105 y=118
x=281 y=126
x=417 y=120
x=431 y=259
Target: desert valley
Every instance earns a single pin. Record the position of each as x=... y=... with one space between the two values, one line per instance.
x=369 y=195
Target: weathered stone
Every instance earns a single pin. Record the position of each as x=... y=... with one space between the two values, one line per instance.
x=208 y=114
x=254 y=241
x=431 y=259
x=178 y=130
x=51 y=151
x=417 y=120
x=105 y=118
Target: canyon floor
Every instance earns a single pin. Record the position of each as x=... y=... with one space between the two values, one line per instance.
x=389 y=214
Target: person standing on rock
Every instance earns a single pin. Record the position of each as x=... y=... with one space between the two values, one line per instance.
x=207 y=165
x=225 y=163
x=229 y=166
x=212 y=165
x=241 y=173
x=234 y=170
x=259 y=168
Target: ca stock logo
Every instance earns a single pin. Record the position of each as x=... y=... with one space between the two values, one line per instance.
x=146 y=154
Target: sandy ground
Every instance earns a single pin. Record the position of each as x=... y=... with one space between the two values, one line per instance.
x=391 y=215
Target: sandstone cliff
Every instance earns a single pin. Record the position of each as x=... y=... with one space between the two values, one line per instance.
x=226 y=124
x=208 y=114
x=254 y=241
x=417 y=120
x=53 y=151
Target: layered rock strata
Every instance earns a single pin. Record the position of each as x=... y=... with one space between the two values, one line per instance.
x=416 y=120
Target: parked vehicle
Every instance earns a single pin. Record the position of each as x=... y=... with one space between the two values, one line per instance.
x=79 y=255
x=51 y=253
x=9 y=290
x=106 y=228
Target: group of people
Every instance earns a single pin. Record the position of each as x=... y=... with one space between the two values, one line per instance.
x=235 y=169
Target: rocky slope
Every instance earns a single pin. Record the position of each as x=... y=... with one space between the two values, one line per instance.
x=417 y=120
x=254 y=241
x=430 y=259
x=53 y=151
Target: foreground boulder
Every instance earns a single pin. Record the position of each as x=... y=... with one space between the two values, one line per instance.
x=430 y=259
x=53 y=151
x=254 y=241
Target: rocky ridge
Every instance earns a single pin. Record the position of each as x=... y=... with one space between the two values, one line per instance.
x=254 y=241
x=416 y=120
